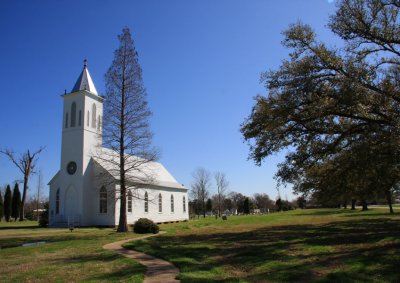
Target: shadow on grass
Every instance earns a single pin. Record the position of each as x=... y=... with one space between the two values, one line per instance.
x=345 y=212
x=124 y=269
x=60 y=237
x=345 y=251
x=92 y=258
x=122 y=274
x=20 y=227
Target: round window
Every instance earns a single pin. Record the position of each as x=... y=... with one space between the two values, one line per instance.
x=71 y=168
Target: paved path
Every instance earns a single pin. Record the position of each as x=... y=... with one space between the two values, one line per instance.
x=158 y=270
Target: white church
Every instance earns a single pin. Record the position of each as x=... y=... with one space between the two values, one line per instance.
x=80 y=197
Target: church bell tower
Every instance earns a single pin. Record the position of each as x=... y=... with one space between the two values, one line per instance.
x=82 y=124
x=81 y=138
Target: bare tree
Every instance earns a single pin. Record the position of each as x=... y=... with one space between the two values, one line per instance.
x=26 y=163
x=222 y=187
x=200 y=188
x=126 y=129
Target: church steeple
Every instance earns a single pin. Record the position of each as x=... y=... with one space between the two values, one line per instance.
x=84 y=81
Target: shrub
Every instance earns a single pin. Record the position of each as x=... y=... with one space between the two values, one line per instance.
x=144 y=225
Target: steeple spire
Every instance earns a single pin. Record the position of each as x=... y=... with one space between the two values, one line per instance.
x=84 y=81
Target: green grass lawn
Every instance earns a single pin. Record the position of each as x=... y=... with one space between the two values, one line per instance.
x=68 y=257
x=324 y=245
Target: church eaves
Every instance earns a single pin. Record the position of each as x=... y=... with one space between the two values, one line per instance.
x=84 y=81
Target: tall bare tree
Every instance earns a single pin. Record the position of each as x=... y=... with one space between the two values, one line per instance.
x=201 y=188
x=26 y=163
x=126 y=128
x=222 y=187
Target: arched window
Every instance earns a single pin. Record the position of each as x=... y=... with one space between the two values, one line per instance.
x=87 y=119
x=73 y=114
x=129 y=201
x=80 y=118
x=94 y=116
x=66 y=120
x=146 y=202
x=103 y=200
x=58 y=201
x=184 y=204
x=172 y=203
x=160 y=203
x=99 y=123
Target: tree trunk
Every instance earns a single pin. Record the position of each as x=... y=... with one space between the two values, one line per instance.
x=204 y=208
x=219 y=206
x=364 y=205
x=122 y=225
x=353 y=204
x=389 y=200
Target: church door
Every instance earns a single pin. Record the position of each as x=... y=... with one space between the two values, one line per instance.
x=71 y=205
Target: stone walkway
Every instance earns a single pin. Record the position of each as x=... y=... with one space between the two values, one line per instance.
x=158 y=270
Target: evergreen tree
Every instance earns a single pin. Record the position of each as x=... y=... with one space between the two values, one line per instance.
x=16 y=202
x=7 y=203
x=209 y=205
x=279 y=204
x=301 y=202
x=246 y=206
x=1 y=207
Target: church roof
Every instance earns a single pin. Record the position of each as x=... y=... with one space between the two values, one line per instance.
x=84 y=81
x=144 y=172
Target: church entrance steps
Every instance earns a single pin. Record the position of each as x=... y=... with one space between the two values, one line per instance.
x=158 y=270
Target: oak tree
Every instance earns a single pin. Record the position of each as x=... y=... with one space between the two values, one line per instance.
x=325 y=103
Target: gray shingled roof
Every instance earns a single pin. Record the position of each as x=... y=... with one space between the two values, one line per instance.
x=84 y=82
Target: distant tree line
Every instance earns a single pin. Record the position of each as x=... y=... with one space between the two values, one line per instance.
x=202 y=202
x=336 y=109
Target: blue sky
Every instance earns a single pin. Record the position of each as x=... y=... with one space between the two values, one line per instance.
x=201 y=64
